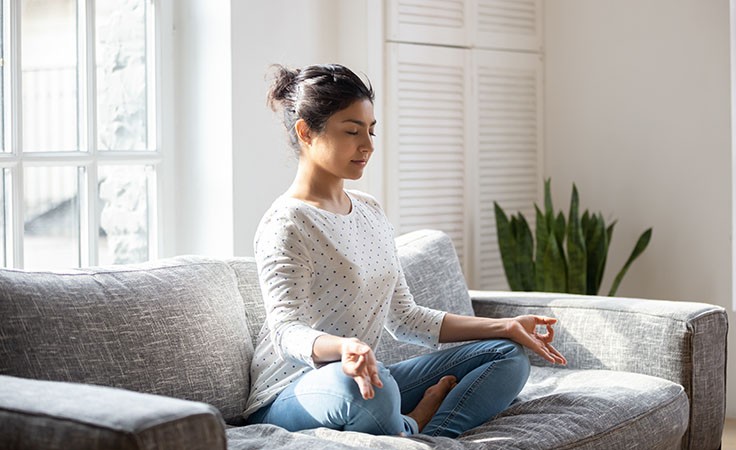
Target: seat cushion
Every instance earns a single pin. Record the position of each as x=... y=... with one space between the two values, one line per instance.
x=173 y=327
x=558 y=409
x=589 y=409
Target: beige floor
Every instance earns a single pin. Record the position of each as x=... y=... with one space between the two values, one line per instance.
x=729 y=435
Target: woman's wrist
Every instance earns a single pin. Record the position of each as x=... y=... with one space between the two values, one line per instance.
x=328 y=348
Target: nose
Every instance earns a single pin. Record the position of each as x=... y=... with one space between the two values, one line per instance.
x=367 y=144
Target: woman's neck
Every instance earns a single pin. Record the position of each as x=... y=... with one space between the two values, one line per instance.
x=321 y=190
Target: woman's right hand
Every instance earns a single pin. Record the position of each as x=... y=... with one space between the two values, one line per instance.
x=359 y=362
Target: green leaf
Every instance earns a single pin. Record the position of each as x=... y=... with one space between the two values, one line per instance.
x=609 y=231
x=639 y=248
x=542 y=235
x=585 y=223
x=548 y=209
x=507 y=245
x=525 y=254
x=595 y=246
x=607 y=240
x=553 y=264
x=576 y=253
x=559 y=230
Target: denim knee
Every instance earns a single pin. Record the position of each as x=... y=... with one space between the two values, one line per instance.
x=514 y=355
x=382 y=413
x=518 y=359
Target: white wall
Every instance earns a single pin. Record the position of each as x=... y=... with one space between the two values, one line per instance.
x=204 y=128
x=638 y=116
x=293 y=33
x=284 y=32
x=231 y=151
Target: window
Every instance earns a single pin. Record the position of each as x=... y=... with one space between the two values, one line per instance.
x=80 y=154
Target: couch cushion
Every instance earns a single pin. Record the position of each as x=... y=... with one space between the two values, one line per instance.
x=174 y=327
x=589 y=409
x=558 y=409
x=249 y=286
x=435 y=279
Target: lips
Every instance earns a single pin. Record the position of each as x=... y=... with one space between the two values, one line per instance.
x=360 y=162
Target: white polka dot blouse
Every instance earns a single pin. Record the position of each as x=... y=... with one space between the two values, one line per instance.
x=322 y=272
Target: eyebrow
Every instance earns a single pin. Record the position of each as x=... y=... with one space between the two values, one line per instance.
x=358 y=122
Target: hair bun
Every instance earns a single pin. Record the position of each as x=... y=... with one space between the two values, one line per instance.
x=283 y=87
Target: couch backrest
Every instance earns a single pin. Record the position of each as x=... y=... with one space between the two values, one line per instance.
x=250 y=289
x=174 y=327
x=432 y=272
x=435 y=279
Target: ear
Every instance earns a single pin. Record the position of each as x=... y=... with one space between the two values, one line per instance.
x=303 y=132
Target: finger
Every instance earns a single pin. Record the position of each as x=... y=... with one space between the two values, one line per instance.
x=559 y=356
x=374 y=376
x=366 y=389
x=541 y=350
x=376 y=380
x=372 y=368
x=543 y=320
x=548 y=336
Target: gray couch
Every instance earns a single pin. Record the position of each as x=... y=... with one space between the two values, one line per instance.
x=156 y=356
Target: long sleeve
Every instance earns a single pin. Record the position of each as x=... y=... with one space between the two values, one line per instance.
x=409 y=322
x=286 y=276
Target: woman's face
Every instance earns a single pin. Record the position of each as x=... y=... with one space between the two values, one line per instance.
x=345 y=145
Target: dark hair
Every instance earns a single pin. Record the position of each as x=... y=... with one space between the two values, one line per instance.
x=314 y=93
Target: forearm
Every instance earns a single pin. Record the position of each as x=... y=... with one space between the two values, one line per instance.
x=521 y=329
x=328 y=348
x=457 y=328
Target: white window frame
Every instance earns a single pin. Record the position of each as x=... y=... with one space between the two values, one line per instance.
x=87 y=157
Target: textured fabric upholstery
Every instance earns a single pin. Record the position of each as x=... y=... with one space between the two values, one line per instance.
x=679 y=341
x=435 y=279
x=250 y=290
x=174 y=327
x=558 y=409
x=76 y=416
x=589 y=409
x=183 y=328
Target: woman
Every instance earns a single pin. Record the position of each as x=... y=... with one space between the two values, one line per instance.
x=331 y=282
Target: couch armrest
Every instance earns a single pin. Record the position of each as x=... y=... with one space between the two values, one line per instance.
x=37 y=414
x=682 y=342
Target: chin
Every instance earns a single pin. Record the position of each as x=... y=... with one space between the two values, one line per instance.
x=354 y=175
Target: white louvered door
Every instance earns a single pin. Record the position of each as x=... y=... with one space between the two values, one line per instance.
x=509 y=24
x=440 y=22
x=509 y=145
x=427 y=106
x=463 y=121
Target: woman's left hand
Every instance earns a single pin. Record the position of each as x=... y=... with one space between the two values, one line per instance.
x=523 y=329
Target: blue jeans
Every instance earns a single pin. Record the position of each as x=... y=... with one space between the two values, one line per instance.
x=490 y=375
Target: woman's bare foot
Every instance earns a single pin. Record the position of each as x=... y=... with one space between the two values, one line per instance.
x=430 y=403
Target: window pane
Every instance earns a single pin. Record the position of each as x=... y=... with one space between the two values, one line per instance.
x=51 y=214
x=2 y=82
x=49 y=49
x=121 y=74
x=3 y=217
x=124 y=216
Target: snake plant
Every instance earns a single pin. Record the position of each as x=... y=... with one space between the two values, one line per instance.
x=569 y=254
